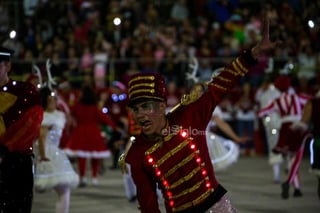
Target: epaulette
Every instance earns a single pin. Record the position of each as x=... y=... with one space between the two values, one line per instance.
x=186 y=100
x=122 y=158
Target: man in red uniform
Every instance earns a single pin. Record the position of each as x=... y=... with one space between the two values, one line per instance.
x=20 y=118
x=171 y=152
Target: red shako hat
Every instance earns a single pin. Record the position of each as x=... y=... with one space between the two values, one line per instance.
x=146 y=86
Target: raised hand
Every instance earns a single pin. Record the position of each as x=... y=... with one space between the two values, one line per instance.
x=265 y=46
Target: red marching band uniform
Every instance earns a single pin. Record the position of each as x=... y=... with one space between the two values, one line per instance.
x=20 y=118
x=178 y=161
x=21 y=100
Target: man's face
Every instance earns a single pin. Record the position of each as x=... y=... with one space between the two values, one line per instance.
x=150 y=115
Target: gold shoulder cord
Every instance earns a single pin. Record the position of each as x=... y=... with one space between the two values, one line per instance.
x=122 y=158
x=6 y=100
x=186 y=99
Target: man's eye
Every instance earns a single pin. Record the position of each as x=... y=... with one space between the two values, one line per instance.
x=147 y=106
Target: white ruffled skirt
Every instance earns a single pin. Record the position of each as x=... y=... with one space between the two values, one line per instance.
x=223 y=152
x=57 y=171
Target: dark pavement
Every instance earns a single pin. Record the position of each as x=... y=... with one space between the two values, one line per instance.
x=249 y=184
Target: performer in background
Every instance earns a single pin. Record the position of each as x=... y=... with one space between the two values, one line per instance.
x=20 y=118
x=86 y=141
x=270 y=124
x=223 y=152
x=171 y=152
x=290 y=142
x=53 y=169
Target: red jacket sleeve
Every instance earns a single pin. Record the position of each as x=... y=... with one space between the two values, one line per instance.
x=23 y=133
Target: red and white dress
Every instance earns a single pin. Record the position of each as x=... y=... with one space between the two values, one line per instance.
x=290 y=107
x=86 y=139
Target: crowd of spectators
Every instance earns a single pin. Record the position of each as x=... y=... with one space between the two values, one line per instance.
x=84 y=37
x=111 y=40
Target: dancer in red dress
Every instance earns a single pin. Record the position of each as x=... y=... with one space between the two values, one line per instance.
x=86 y=140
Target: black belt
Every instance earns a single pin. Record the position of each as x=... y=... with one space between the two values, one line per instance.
x=209 y=202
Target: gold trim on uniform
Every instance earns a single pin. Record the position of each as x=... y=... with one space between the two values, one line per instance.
x=153 y=148
x=189 y=190
x=6 y=100
x=142 y=85
x=185 y=178
x=171 y=152
x=237 y=68
x=141 y=78
x=165 y=139
x=177 y=166
x=218 y=86
x=122 y=157
x=231 y=71
x=168 y=137
x=194 y=202
x=223 y=79
x=141 y=90
x=245 y=70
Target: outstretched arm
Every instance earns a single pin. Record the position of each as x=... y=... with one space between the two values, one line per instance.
x=228 y=78
x=226 y=128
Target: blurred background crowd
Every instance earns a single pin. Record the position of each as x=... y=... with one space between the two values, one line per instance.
x=102 y=43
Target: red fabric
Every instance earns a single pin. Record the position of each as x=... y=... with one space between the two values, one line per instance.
x=95 y=163
x=86 y=136
x=290 y=139
x=22 y=134
x=286 y=105
x=82 y=162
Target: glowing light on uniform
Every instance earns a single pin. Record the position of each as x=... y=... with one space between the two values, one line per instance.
x=204 y=172
x=192 y=146
x=158 y=172
x=183 y=134
x=198 y=160
x=150 y=160
x=274 y=131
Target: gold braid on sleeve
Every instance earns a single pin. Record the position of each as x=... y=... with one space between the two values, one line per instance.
x=122 y=158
